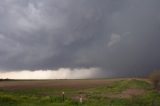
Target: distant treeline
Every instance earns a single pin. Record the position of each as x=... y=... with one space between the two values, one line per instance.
x=6 y=79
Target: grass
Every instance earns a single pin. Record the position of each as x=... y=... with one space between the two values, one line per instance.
x=119 y=86
x=93 y=96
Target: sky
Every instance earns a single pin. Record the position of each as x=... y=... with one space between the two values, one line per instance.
x=54 y=39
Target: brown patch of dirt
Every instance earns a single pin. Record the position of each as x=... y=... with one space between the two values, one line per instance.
x=128 y=93
x=77 y=84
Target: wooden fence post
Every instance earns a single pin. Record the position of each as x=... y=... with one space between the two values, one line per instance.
x=81 y=99
x=63 y=96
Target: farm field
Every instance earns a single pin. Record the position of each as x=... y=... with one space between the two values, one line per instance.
x=98 y=92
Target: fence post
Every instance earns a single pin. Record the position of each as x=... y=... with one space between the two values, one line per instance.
x=63 y=96
x=81 y=99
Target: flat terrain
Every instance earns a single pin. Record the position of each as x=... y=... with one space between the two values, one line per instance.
x=52 y=84
x=97 y=92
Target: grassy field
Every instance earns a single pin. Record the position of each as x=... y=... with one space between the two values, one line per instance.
x=102 y=92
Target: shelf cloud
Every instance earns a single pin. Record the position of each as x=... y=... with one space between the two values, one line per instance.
x=63 y=73
x=121 y=37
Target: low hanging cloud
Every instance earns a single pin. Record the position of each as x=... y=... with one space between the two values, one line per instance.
x=63 y=73
x=117 y=36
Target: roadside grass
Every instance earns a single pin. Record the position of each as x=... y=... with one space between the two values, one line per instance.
x=119 y=86
x=92 y=96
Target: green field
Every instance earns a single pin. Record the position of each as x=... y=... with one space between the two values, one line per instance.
x=103 y=92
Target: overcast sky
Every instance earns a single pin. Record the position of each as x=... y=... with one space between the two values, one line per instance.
x=113 y=36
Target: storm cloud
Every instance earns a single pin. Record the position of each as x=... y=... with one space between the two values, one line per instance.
x=116 y=36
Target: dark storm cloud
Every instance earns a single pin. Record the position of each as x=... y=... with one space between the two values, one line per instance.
x=120 y=36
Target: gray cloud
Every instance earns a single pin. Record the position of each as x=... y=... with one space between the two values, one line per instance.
x=119 y=36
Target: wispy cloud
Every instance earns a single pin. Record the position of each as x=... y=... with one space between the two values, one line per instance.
x=115 y=38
